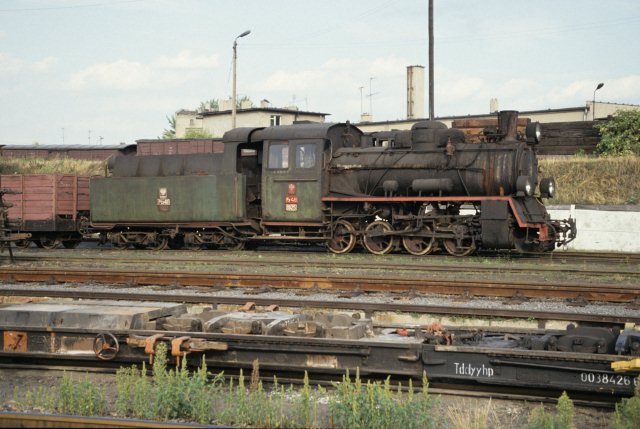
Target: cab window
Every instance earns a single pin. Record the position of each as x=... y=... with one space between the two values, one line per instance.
x=306 y=155
x=279 y=156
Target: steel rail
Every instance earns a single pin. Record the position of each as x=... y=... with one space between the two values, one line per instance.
x=37 y=420
x=392 y=283
x=359 y=265
x=567 y=255
x=368 y=308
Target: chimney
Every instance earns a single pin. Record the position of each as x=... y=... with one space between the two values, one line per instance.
x=415 y=92
x=493 y=105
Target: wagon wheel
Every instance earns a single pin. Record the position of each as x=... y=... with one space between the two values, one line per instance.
x=49 y=243
x=105 y=346
x=191 y=242
x=82 y=225
x=118 y=242
x=22 y=244
x=177 y=242
x=233 y=243
x=375 y=240
x=160 y=243
x=343 y=239
x=70 y=244
x=419 y=245
x=467 y=246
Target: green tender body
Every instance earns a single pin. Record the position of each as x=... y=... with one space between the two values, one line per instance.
x=210 y=198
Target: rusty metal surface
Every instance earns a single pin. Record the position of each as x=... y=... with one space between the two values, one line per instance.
x=367 y=307
x=36 y=420
x=498 y=288
x=576 y=358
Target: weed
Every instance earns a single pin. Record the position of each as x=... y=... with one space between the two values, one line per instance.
x=627 y=414
x=563 y=418
x=564 y=412
x=80 y=397
x=374 y=405
x=539 y=419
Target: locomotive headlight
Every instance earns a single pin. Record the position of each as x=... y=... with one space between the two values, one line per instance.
x=524 y=186
x=533 y=133
x=547 y=187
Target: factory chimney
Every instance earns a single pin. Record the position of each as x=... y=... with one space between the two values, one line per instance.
x=415 y=92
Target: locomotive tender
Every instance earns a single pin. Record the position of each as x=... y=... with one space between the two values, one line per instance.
x=421 y=190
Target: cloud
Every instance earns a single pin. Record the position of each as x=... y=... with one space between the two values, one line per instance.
x=11 y=64
x=335 y=74
x=460 y=88
x=186 y=60
x=624 y=89
x=128 y=75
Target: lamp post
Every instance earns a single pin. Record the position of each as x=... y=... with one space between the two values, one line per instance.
x=600 y=85
x=235 y=56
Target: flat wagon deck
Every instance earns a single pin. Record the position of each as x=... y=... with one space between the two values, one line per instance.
x=582 y=359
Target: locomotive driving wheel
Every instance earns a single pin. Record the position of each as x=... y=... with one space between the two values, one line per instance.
x=466 y=247
x=419 y=244
x=375 y=238
x=343 y=238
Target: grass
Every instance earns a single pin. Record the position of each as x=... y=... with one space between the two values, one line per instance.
x=178 y=394
x=594 y=180
x=47 y=166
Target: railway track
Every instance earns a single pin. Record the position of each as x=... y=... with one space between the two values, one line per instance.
x=601 y=292
x=38 y=420
x=623 y=266
x=369 y=308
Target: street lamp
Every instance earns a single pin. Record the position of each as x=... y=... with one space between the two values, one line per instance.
x=235 y=56
x=600 y=85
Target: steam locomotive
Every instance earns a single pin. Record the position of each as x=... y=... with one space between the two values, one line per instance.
x=420 y=190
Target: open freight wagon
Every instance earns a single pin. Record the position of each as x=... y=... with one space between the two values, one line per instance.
x=53 y=208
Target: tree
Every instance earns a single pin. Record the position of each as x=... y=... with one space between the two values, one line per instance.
x=241 y=99
x=197 y=133
x=168 y=134
x=209 y=105
x=620 y=134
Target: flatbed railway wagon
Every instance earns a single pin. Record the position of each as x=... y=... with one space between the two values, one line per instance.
x=53 y=208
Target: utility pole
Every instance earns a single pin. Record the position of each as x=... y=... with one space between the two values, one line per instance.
x=89 y=136
x=361 y=105
x=371 y=94
x=235 y=58
x=431 y=109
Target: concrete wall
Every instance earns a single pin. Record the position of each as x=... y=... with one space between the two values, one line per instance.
x=602 y=228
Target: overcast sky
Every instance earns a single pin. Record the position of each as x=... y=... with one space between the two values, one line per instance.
x=117 y=68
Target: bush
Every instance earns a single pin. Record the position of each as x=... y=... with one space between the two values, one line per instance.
x=621 y=134
x=563 y=419
x=627 y=415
